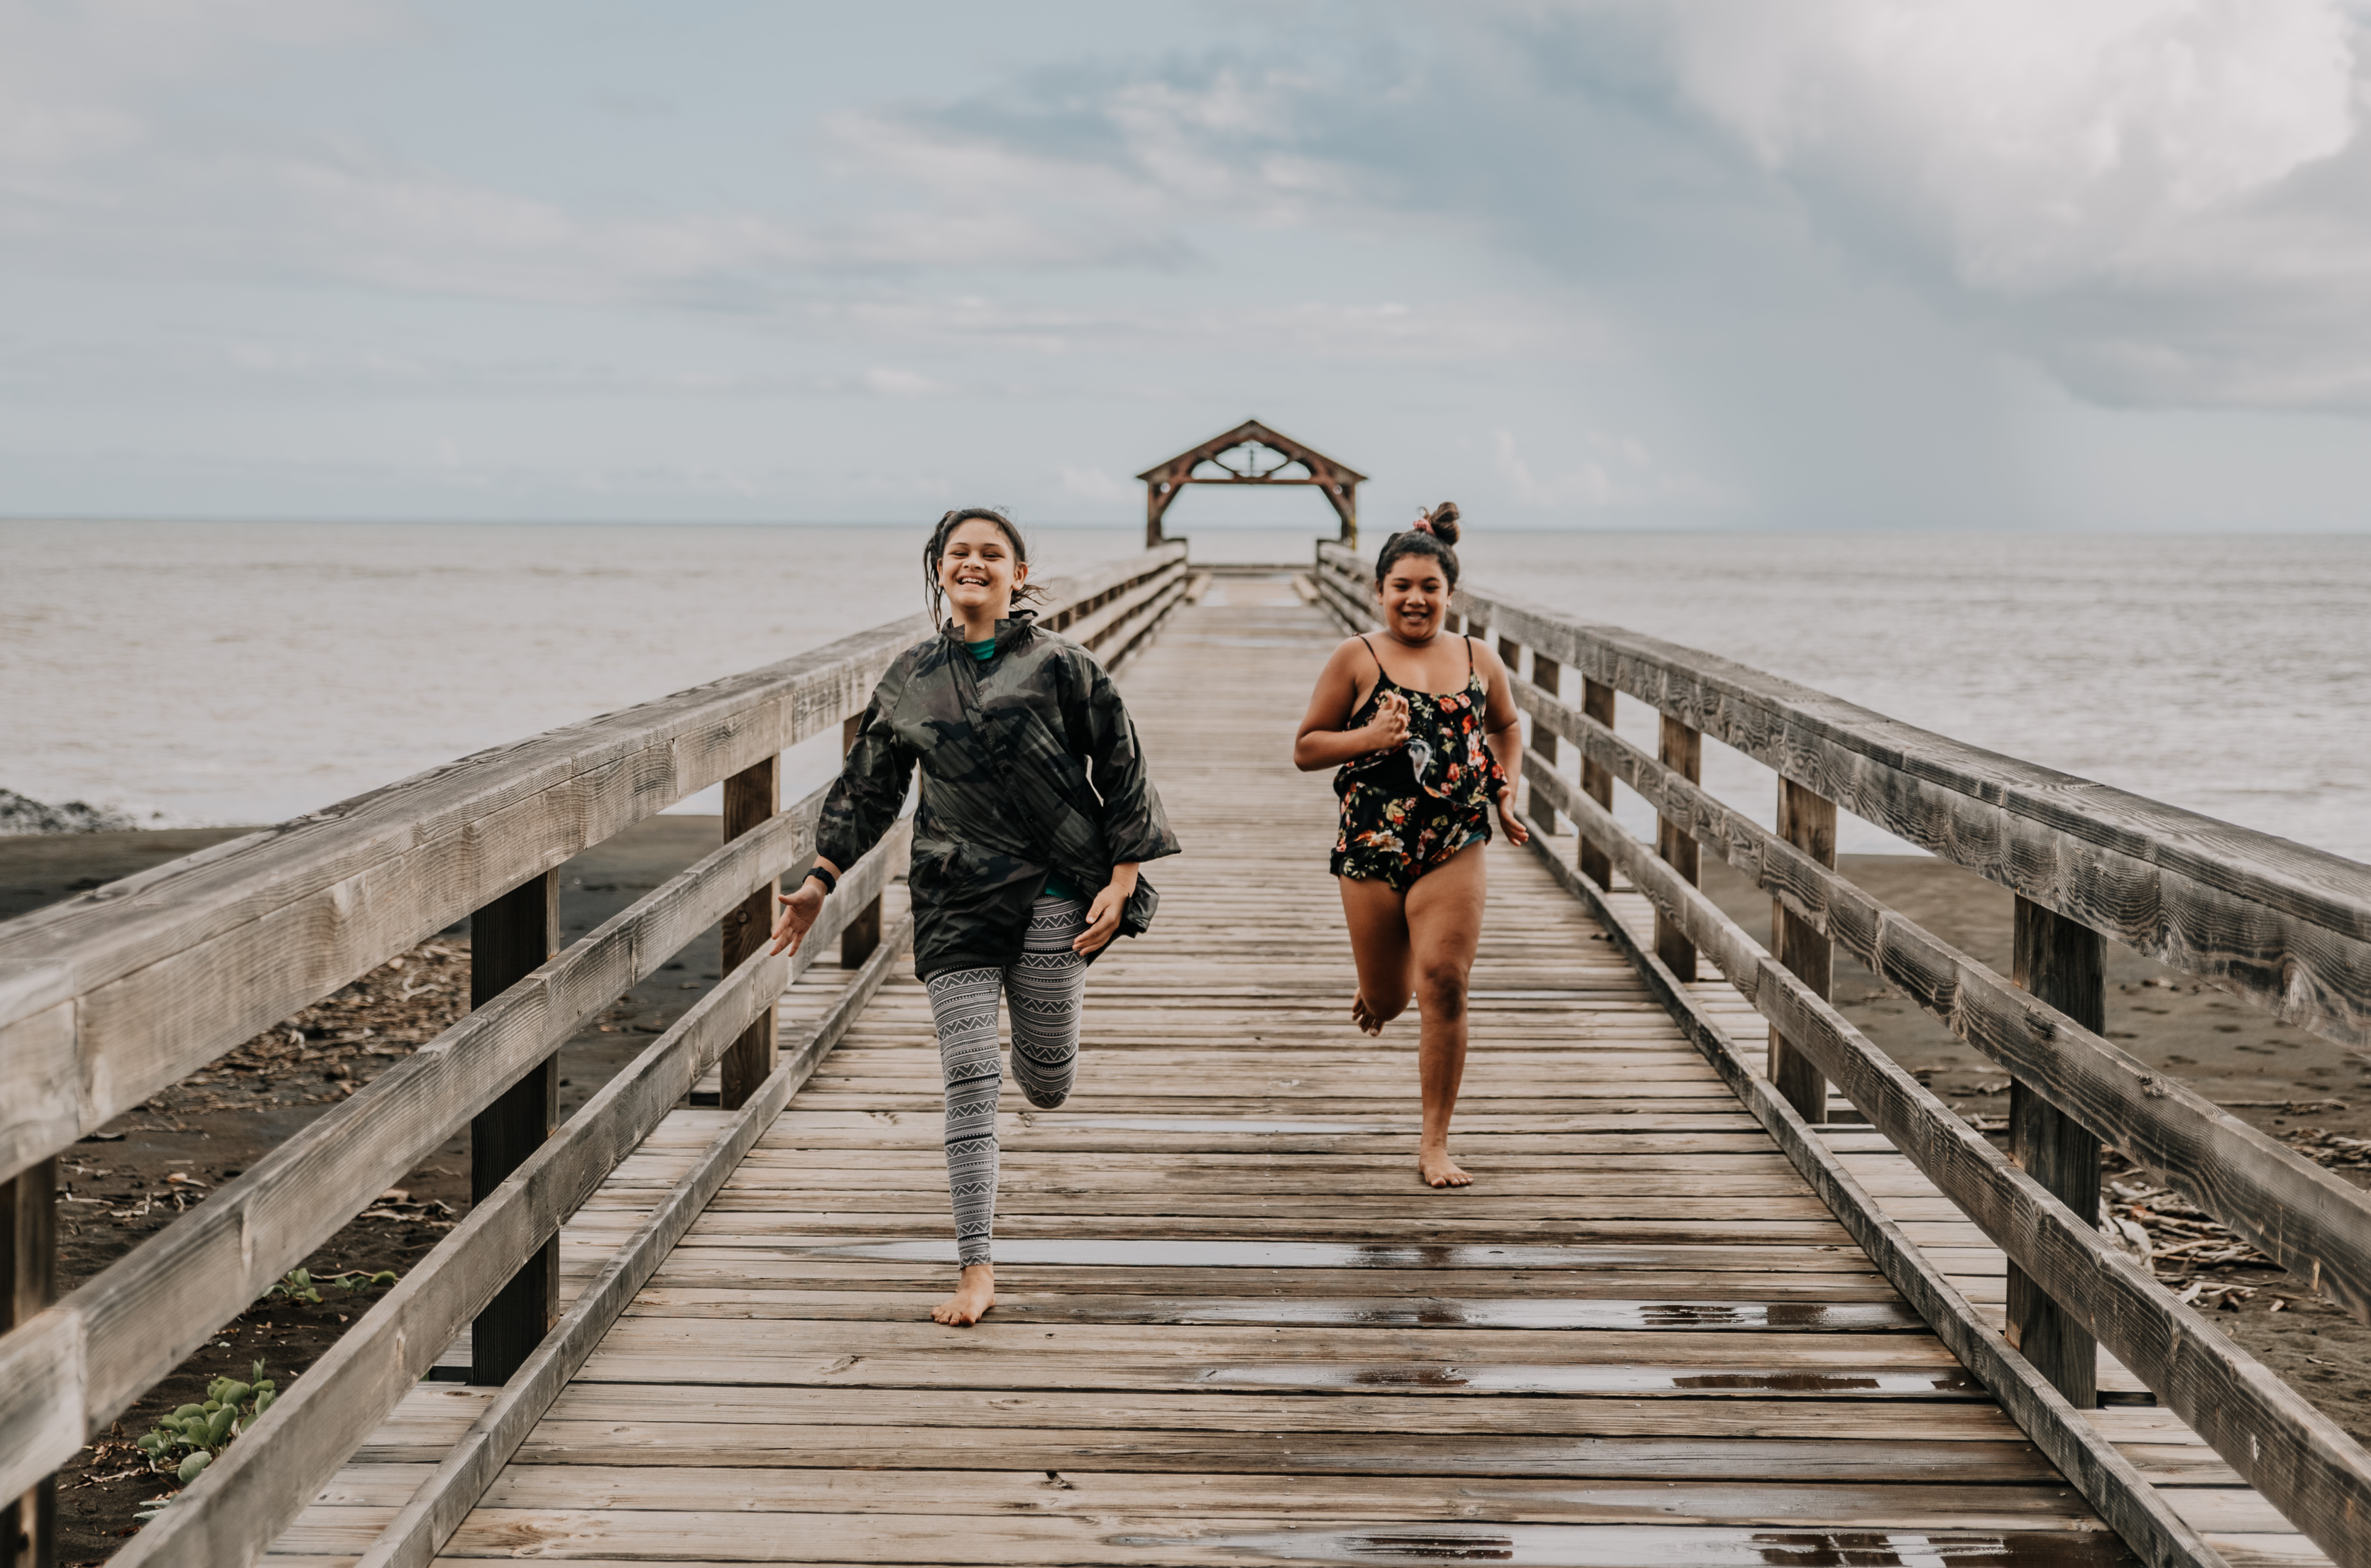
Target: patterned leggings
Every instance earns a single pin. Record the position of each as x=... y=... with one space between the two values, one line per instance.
x=1044 y=987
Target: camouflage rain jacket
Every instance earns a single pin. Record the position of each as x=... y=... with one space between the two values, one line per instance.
x=1040 y=728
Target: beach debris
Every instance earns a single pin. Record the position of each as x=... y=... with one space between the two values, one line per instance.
x=328 y=1050
x=2334 y=1149
x=21 y=813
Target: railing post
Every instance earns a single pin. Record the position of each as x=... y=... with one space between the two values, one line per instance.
x=1511 y=654
x=751 y=796
x=508 y=940
x=862 y=932
x=1548 y=676
x=1808 y=821
x=2062 y=963
x=1682 y=750
x=29 y=1265
x=1597 y=781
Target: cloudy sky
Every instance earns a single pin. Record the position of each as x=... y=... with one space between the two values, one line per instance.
x=1835 y=264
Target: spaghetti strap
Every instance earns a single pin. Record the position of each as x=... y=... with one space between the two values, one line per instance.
x=1372 y=655
x=1469 y=653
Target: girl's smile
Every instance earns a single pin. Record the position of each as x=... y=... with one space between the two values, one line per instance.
x=1415 y=599
x=978 y=571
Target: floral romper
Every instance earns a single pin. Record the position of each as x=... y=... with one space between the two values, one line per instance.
x=1407 y=810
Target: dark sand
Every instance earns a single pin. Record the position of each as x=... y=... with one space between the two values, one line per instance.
x=136 y=1175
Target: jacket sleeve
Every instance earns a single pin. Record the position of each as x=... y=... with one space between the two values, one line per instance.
x=1135 y=825
x=865 y=798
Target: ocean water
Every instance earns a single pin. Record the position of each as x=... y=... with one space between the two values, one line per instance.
x=2230 y=675
x=246 y=673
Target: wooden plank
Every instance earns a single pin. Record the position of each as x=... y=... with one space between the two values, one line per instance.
x=2309 y=1220
x=1809 y=822
x=616 y=1537
x=2063 y=964
x=509 y=941
x=751 y=797
x=1681 y=750
x=1505 y=1451
x=1597 y=701
x=29 y=1277
x=1256 y=1416
x=961 y=1493
x=2304 y=1463
x=1628 y=1314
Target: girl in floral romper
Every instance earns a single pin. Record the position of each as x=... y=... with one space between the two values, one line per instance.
x=1423 y=770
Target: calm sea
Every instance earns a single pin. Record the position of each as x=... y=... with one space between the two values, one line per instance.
x=241 y=672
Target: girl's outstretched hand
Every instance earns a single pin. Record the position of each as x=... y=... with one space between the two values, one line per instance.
x=1103 y=914
x=798 y=912
x=1518 y=831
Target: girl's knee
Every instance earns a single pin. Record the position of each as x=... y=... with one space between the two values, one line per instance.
x=1443 y=990
x=1389 y=1007
x=1044 y=1098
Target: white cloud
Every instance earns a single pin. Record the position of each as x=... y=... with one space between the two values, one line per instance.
x=2162 y=201
x=1094 y=484
x=2035 y=143
x=1603 y=470
x=886 y=383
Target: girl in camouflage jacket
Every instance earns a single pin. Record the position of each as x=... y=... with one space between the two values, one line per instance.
x=1035 y=812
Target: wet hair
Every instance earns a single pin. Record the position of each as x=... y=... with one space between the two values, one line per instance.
x=1434 y=537
x=936 y=546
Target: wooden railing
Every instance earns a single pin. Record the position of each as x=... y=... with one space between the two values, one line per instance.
x=111 y=996
x=2284 y=925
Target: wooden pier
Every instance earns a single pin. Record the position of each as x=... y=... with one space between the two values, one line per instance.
x=1692 y=1312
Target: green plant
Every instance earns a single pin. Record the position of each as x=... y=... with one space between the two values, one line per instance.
x=299 y=1285
x=184 y=1443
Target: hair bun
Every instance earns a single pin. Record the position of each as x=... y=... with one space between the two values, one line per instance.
x=1444 y=521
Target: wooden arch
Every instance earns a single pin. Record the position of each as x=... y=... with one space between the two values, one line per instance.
x=1238 y=458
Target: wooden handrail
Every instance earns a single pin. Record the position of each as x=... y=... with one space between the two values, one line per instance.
x=2304 y=1217
x=107 y=998
x=2283 y=925
x=111 y=996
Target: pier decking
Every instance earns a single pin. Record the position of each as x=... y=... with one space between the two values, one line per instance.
x=1233 y=1328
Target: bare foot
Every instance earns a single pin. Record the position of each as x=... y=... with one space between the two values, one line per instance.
x=1439 y=1170
x=1364 y=1017
x=974 y=1296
